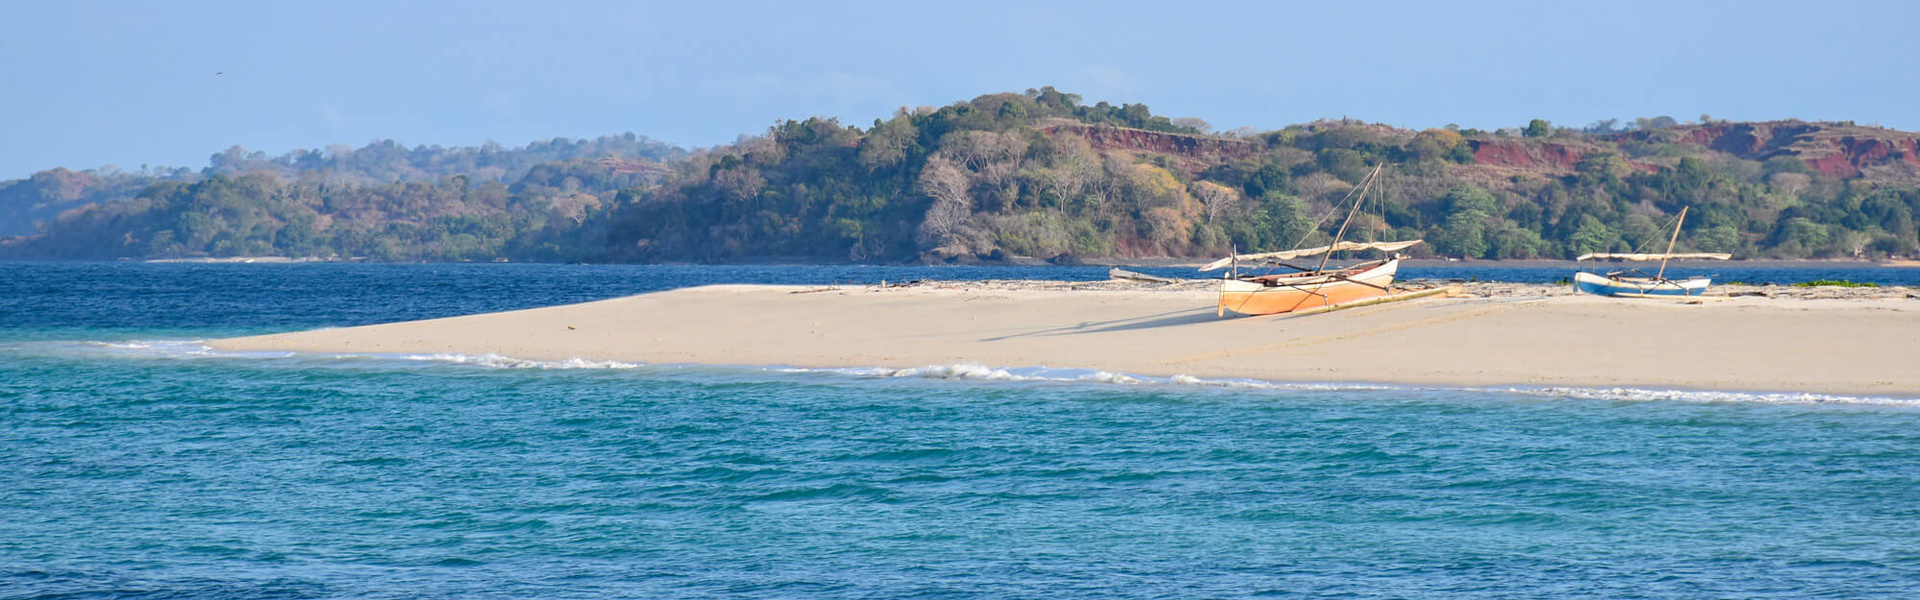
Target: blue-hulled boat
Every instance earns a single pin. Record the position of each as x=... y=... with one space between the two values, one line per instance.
x=1633 y=283
x=1620 y=284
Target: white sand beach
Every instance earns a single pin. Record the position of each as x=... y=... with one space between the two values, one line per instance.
x=1498 y=335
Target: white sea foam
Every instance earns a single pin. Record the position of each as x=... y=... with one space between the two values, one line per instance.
x=1706 y=396
x=979 y=372
x=199 y=349
x=983 y=373
x=164 y=349
x=505 y=362
x=161 y=347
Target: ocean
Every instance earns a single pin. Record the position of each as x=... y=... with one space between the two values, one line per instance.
x=135 y=464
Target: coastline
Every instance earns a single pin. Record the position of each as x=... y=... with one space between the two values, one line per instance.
x=1017 y=261
x=1844 y=342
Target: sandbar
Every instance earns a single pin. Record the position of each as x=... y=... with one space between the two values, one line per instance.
x=1493 y=335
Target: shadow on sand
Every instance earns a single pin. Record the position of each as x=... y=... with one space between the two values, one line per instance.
x=1166 y=319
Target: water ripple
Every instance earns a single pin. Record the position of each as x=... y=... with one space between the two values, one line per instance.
x=143 y=469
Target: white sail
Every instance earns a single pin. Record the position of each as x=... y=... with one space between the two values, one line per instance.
x=1654 y=257
x=1316 y=251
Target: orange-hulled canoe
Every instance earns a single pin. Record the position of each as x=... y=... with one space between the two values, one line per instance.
x=1275 y=294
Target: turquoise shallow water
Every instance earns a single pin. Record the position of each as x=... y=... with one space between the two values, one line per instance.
x=150 y=470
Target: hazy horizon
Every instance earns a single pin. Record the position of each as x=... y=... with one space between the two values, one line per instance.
x=159 y=85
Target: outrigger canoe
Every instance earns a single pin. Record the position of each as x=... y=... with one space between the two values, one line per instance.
x=1626 y=284
x=1620 y=285
x=1306 y=288
x=1275 y=294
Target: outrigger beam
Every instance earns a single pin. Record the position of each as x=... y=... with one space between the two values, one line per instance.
x=1119 y=273
x=1439 y=291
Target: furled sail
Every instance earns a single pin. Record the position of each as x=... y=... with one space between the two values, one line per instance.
x=1293 y=254
x=1654 y=257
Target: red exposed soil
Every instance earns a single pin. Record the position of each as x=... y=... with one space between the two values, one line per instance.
x=1834 y=149
x=1852 y=154
x=1529 y=156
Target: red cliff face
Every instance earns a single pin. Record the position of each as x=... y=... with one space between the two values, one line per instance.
x=1847 y=156
x=1531 y=156
x=1835 y=150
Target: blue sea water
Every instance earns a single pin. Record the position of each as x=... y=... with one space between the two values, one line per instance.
x=133 y=465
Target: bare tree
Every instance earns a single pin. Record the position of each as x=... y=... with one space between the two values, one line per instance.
x=1854 y=243
x=740 y=183
x=945 y=182
x=1075 y=166
x=1790 y=184
x=1320 y=186
x=887 y=144
x=994 y=156
x=1198 y=124
x=760 y=149
x=1215 y=199
x=1116 y=175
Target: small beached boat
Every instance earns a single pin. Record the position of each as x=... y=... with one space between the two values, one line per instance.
x=1623 y=284
x=1634 y=283
x=1309 y=287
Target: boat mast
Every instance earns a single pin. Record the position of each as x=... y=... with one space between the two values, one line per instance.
x=1233 y=254
x=1343 y=224
x=1662 y=275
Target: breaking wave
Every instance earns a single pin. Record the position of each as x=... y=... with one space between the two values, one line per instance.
x=507 y=362
x=1624 y=394
x=199 y=349
x=159 y=348
x=980 y=372
x=976 y=372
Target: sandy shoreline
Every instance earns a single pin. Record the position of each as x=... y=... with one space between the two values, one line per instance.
x=1855 y=342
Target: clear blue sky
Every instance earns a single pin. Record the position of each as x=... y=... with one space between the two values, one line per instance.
x=127 y=83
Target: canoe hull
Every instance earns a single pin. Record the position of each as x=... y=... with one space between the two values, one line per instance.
x=1604 y=286
x=1289 y=294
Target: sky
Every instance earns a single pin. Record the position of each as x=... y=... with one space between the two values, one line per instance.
x=170 y=83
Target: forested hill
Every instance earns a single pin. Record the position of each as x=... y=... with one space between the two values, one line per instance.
x=1040 y=174
x=332 y=201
